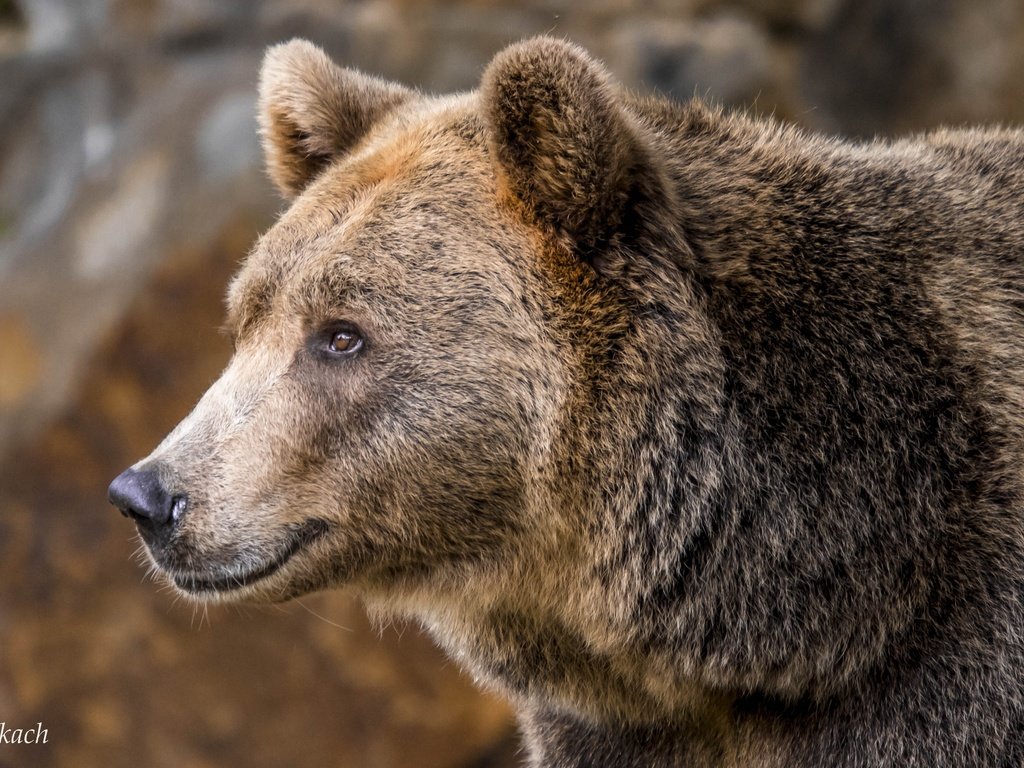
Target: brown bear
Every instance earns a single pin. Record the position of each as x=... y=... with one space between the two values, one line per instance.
x=697 y=436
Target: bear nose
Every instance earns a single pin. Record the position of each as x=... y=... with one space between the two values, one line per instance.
x=140 y=495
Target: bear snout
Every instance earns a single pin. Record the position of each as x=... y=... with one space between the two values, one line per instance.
x=142 y=496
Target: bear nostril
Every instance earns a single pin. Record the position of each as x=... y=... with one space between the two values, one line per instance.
x=178 y=506
x=140 y=495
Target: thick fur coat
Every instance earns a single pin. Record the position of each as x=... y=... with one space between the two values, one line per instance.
x=697 y=436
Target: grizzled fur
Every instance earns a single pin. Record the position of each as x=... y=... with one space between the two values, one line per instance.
x=699 y=437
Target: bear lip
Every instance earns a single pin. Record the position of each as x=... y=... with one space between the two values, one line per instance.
x=298 y=539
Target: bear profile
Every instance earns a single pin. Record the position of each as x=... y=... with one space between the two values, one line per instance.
x=699 y=437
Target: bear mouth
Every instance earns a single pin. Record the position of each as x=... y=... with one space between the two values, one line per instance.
x=232 y=579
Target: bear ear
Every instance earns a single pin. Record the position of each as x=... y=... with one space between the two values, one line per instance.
x=312 y=111
x=560 y=137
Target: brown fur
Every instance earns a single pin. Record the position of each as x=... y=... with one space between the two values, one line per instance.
x=699 y=437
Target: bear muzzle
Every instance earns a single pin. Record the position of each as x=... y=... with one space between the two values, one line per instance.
x=158 y=513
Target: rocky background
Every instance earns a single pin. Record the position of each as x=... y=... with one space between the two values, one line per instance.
x=130 y=187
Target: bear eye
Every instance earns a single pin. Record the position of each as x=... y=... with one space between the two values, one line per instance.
x=344 y=341
x=341 y=341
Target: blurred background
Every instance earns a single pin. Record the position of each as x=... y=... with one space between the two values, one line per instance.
x=130 y=187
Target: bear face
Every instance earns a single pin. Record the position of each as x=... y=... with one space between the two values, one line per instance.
x=413 y=445
x=438 y=242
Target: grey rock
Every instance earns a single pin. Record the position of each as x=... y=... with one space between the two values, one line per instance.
x=227 y=143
